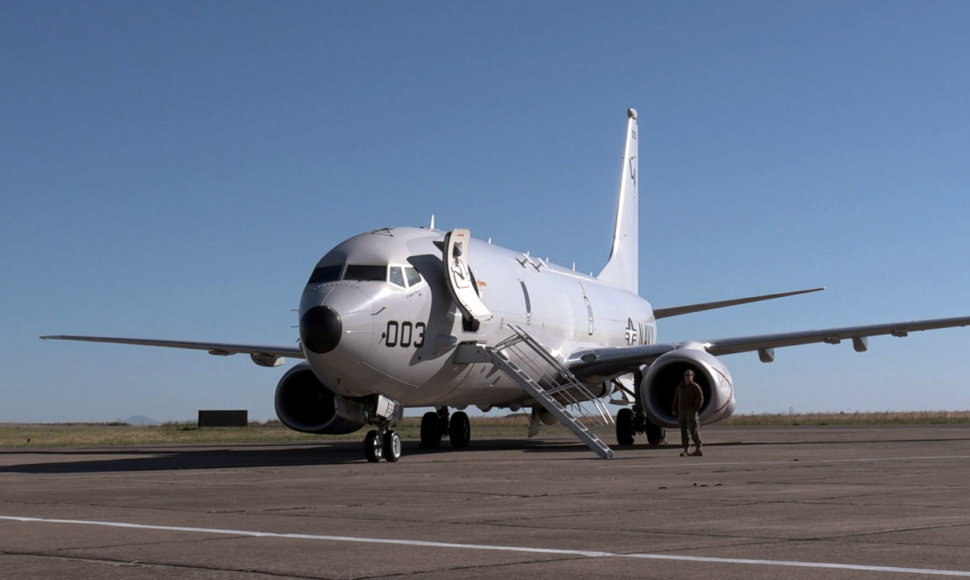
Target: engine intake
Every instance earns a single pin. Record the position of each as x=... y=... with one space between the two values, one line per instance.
x=305 y=404
x=663 y=376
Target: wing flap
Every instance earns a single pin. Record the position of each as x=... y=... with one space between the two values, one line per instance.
x=609 y=362
x=828 y=335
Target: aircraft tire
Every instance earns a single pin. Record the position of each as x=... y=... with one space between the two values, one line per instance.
x=430 y=430
x=392 y=446
x=373 y=446
x=655 y=434
x=624 y=427
x=459 y=430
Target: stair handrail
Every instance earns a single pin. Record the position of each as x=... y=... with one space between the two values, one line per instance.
x=568 y=387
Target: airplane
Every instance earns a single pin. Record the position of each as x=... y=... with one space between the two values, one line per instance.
x=418 y=317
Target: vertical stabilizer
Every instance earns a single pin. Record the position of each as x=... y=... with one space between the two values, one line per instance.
x=621 y=270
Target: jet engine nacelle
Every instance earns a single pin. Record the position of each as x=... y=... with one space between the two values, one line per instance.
x=663 y=376
x=305 y=404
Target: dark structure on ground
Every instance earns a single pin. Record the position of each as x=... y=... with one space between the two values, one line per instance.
x=223 y=418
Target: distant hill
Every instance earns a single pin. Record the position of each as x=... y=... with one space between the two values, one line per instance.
x=142 y=421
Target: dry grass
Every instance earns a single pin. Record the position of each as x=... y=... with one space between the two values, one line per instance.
x=77 y=435
x=22 y=435
x=882 y=418
x=115 y=434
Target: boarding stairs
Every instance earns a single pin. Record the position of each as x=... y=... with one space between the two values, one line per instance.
x=552 y=385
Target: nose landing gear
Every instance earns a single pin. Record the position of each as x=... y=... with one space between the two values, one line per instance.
x=392 y=446
x=373 y=446
x=382 y=444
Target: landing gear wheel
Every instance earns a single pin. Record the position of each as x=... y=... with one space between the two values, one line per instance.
x=460 y=430
x=430 y=430
x=373 y=447
x=624 y=427
x=392 y=446
x=655 y=434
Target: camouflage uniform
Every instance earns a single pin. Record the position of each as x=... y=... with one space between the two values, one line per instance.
x=688 y=400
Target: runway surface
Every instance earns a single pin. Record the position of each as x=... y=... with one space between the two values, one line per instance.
x=792 y=502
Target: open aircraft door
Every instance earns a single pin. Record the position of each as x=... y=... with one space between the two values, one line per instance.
x=461 y=282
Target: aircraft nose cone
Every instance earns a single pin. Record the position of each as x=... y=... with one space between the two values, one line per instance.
x=320 y=329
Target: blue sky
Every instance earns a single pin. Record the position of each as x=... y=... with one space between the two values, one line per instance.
x=175 y=169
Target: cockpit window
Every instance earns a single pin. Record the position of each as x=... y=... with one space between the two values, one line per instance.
x=366 y=273
x=412 y=275
x=396 y=276
x=403 y=276
x=325 y=274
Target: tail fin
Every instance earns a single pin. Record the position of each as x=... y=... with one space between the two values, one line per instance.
x=621 y=270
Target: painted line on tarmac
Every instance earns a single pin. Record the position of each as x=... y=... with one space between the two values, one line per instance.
x=562 y=552
x=695 y=462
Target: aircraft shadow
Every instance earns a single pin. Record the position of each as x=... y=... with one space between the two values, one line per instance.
x=106 y=460
x=169 y=458
x=336 y=453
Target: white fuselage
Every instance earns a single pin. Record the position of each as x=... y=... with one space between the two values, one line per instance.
x=398 y=338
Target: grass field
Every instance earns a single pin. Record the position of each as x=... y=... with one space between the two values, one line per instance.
x=23 y=435
x=20 y=435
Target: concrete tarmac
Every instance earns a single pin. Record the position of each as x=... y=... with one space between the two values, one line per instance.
x=779 y=502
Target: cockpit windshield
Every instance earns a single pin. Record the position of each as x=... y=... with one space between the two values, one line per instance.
x=402 y=276
x=396 y=276
x=325 y=274
x=412 y=275
x=365 y=273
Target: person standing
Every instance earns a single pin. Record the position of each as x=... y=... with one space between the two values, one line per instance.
x=688 y=400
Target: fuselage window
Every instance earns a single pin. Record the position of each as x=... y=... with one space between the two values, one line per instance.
x=366 y=273
x=412 y=275
x=325 y=274
x=396 y=276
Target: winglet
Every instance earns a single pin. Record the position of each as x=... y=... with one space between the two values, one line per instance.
x=621 y=271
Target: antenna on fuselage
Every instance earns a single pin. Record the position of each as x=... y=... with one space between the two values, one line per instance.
x=432 y=222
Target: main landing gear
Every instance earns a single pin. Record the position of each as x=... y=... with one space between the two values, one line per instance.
x=438 y=424
x=629 y=422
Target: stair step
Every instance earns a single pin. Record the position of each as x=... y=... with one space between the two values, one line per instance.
x=501 y=355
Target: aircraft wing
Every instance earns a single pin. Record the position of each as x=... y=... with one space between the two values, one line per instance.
x=612 y=361
x=262 y=355
x=687 y=309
